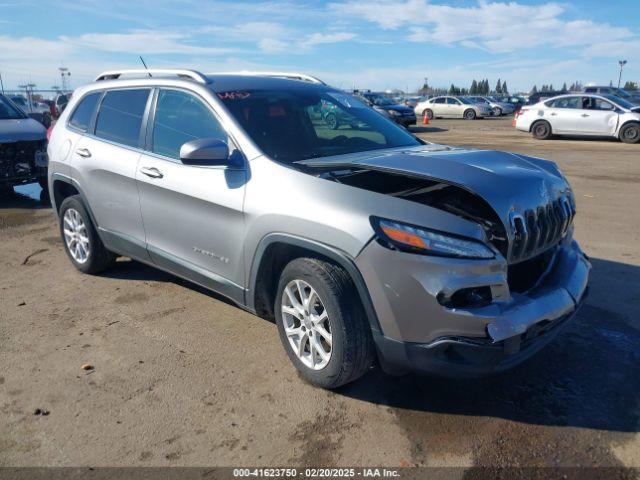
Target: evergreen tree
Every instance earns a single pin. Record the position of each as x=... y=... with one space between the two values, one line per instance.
x=498 y=87
x=534 y=90
x=551 y=87
x=474 y=87
x=632 y=86
x=564 y=87
x=505 y=90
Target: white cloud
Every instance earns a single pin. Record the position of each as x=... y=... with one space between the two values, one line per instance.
x=495 y=27
x=142 y=42
x=323 y=38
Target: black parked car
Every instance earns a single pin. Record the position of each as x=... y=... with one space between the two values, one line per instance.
x=23 y=155
x=401 y=114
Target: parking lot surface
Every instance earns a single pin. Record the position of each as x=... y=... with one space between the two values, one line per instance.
x=181 y=377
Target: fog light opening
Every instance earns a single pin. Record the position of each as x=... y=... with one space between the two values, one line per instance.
x=466 y=298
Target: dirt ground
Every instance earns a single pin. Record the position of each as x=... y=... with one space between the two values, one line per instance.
x=183 y=377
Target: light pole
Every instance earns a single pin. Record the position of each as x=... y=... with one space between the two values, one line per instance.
x=64 y=75
x=622 y=63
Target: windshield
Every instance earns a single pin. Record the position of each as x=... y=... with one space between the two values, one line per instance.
x=382 y=101
x=292 y=125
x=620 y=101
x=9 y=111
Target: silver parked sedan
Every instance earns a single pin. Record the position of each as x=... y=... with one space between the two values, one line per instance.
x=581 y=114
x=452 y=107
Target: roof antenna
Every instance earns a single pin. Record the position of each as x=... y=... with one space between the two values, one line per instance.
x=145 y=65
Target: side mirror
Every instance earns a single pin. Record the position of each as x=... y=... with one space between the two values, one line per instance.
x=205 y=152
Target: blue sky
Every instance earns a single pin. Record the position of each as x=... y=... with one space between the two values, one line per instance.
x=376 y=44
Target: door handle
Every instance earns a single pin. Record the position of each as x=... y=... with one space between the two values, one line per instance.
x=152 y=172
x=83 y=152
x=553 y=114
x=584 y=115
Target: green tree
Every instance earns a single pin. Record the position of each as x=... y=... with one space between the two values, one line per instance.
x=534 y=90
x=498 y=87
x=504 y=87
x=632 y=86
x=474 y=87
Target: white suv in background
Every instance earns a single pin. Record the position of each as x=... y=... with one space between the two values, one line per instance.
x=581 y=114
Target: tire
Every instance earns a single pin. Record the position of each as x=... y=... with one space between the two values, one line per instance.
x=429 y=113
x=497 y=111
x=332 y=121
x=97 y=257
x=541 y=130
x=470 y=114
x=351 y=351
x=630 y=133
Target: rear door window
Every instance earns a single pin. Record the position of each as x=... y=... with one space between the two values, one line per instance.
x=567 y=102
x=181 y=117
x=440 y=100
x=82 y=115
x=120 y=116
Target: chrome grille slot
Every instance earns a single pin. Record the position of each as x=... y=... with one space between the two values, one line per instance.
x=540 y=228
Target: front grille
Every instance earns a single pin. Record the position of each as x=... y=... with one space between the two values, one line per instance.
x=538 y=229
x=18 y=159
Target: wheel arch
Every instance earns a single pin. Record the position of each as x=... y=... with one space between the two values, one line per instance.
x=276 y=250
x=64 y=187
x=538 y=120
x=635 y=122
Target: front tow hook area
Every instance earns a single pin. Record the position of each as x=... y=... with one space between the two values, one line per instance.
x=540 y=311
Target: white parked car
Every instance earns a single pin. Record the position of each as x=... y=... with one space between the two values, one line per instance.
x=452 y=107
x=581 y=114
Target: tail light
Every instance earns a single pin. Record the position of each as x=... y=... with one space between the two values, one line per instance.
x=49 y=130
x=517 y=114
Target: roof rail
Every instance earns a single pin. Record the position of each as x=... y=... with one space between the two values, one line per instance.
x=290 y=75
x=192 y=74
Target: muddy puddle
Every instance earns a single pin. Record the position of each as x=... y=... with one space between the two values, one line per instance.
x=19 y=207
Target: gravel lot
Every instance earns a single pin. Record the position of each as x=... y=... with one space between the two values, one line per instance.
x=183 y=377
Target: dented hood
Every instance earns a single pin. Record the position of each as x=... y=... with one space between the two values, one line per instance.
x=508 y=182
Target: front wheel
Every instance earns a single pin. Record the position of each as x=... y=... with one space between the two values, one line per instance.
x=497 y=111
x=80 y=238
x=332 y=121
x=541 y=130
x=630 y=133
x=470 y=114
x=321 y=323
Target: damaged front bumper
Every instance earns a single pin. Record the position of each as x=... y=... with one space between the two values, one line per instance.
x=419 y=334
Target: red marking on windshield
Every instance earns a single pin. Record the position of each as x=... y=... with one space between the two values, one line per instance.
x=233 y=95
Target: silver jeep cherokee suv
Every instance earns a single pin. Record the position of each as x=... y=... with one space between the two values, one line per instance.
x=363 y=242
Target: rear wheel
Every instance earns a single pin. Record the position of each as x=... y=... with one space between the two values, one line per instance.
x=541 y=130
x=80 y=238
x=630 y=133
x=321 y=324
x=470 y=114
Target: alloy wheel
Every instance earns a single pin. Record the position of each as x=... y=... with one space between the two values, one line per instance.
x=75 y=236
x=306 y=324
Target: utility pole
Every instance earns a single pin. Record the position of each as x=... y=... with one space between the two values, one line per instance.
x=1 y=84
x=622 y=63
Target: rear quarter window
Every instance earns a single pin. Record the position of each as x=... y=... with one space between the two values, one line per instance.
x=82 y=115
x=120 y=116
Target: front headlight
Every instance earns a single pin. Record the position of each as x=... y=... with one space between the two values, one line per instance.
x=394 y=113
x=409 y=238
